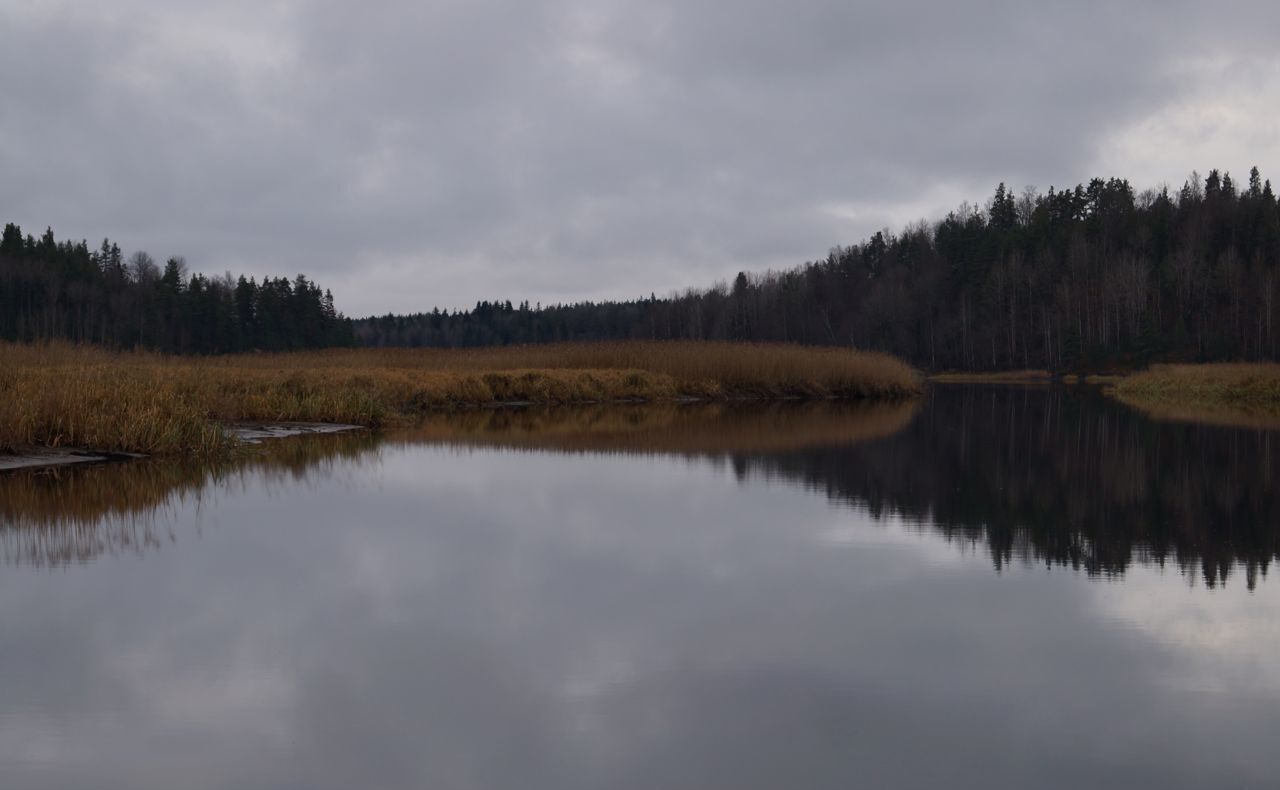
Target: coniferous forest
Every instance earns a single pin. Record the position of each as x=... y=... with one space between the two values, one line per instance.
x=53 y=289
x=1092 y=277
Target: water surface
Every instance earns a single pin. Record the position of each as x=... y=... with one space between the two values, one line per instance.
x=996 y=588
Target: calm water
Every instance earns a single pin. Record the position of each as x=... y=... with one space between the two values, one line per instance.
x=999 y=588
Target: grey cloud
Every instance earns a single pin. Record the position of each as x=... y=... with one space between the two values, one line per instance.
x=412 y=154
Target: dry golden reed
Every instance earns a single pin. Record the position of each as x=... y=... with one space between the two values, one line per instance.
x=64 y=395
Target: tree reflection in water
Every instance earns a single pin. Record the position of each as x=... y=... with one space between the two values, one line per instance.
x=1065 y=478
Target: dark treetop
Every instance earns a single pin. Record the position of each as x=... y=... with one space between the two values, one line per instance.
x=62 y=290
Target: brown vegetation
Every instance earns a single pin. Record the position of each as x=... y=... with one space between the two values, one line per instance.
x=63 y=395
x=1239 y=394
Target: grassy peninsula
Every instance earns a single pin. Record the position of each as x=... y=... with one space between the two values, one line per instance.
x=1239 y=394
x=59 y=394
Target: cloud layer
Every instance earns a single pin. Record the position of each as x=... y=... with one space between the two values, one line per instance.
x=415 y=154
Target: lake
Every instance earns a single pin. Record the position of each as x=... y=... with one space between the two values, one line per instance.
x=996 y=587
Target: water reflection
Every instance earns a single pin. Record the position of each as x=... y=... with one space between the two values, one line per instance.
x=1064 y=477
x=435 y=610
x=1261 y=416
x=1060 y=476
x=68 y=515
x=691 y=430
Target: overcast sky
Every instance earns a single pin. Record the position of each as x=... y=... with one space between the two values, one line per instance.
x=414 y=154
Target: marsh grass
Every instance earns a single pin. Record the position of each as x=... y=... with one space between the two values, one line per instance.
x=1236 y=394
x=64 y=395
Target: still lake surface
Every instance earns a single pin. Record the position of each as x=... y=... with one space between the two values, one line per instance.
x=1008 y=587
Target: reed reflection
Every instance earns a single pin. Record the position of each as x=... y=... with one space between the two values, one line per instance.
x=690 y=430
x=70 y=515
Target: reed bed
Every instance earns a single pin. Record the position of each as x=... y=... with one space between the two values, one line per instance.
x=64 y=395
x=1239 y=394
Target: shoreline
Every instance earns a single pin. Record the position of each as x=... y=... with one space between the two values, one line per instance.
x=250 y=435
x=49 y=457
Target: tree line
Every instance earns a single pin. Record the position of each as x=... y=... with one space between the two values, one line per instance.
x=52 y=289
x=1091 y=277
x=1084 y=278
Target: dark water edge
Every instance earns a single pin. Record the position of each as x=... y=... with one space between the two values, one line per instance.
x=994 y=588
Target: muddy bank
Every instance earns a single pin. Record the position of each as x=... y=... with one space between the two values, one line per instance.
x=37 y=457
x=253 y=433
x=247 y=433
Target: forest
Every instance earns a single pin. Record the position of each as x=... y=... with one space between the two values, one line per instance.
x=1095 y=277
x=1090 y=278
x=62 y=290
